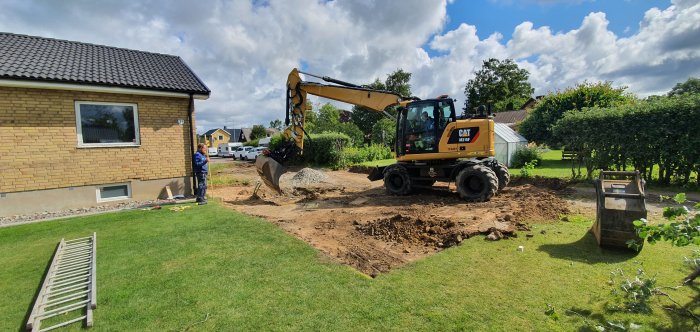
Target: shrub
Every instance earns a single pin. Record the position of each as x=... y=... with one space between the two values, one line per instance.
x=527 y=169
x=325 y=149
x=524 y=155
x=253 y=142
x=353 y=156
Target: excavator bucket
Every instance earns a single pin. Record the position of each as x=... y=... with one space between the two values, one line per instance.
x=270 y=171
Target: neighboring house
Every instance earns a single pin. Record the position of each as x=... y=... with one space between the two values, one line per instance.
x=214 y=137
x=510 y=118
x=85 y=124
x=244 y=134
x=217 y=136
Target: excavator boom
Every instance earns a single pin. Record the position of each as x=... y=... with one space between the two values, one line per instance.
x=270 y=166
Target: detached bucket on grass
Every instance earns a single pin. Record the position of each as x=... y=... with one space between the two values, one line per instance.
x=620 y=200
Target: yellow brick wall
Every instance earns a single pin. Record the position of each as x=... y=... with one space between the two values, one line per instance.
x=39 y=145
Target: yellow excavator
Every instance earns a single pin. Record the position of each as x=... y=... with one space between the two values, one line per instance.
x=432 y=142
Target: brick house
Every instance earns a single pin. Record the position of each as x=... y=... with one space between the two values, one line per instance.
x=83 y=124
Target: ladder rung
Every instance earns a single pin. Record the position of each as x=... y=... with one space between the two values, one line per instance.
x=73 y=265
x=72 y=261
x=78 y=239
x=66 y=298
x=75 y=254
x=64 y=309
x=65 y=290
x=78 y=247
x=70 y=281
x=64 y=277
x=67 y=286
x=63 y=324
x=72 y=269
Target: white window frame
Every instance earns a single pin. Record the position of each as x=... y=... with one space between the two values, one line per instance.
x=79 y=127
x=111 y=199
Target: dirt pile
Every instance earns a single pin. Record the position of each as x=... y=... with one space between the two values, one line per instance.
x=438 y=233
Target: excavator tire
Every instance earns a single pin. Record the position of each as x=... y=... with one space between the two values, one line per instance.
x=476 y=183
x=502 y=174
x=397 y=181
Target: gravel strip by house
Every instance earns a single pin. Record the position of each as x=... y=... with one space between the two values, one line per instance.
x=49 y=215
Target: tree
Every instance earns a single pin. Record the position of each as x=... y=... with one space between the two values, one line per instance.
x=500 y=83
x=384 y=132
x=329 y=121
x=365 y=119
x=692 y=85
x=258 y=132
x=328 y=118
x=538 y=125
x=277 y=124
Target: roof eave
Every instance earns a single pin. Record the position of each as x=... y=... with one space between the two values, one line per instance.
x=95 y=87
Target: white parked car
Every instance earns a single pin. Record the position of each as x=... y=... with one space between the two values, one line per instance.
x=254 y=153
x=212 y=152
x=226 y=149
x=239 y=153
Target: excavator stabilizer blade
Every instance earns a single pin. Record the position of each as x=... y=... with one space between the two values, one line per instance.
x=270 y=171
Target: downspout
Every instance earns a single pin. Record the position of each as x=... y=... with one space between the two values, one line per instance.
x=190 y=111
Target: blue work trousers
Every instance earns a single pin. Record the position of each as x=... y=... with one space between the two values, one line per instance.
x=201 y=187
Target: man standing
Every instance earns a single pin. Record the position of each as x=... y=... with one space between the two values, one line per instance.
x=201 y=168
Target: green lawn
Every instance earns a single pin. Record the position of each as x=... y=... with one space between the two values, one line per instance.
x=162 y=270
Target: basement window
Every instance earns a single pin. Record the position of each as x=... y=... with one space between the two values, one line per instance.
x=113 y=192
x=101 y=124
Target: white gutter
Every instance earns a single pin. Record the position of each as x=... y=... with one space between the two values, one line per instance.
x=94 y=88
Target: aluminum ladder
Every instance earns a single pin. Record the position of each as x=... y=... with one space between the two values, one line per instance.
x=69 y=284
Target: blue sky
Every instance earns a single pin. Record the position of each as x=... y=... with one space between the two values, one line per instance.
x=502 y=16
x=244 y=49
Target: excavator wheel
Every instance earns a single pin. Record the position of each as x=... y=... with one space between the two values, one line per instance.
x=396 y=180
x=476 y=183
x=502 y=174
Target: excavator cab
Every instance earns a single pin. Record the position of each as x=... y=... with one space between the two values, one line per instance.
x=421 y=124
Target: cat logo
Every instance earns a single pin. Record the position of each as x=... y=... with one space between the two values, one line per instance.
x=464 y=135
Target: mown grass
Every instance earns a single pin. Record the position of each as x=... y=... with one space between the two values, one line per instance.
x=162 y=270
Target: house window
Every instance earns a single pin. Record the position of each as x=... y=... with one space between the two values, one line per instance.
x=221 y=137
x=113 y=192
x=106 y=124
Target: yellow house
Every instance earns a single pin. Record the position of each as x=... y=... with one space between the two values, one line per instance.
x=217 y=136
x=118 y=124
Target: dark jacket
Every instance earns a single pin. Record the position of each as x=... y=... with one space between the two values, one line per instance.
x=200 y=163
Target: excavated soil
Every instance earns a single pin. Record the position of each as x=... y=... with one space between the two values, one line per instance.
x=354 y=221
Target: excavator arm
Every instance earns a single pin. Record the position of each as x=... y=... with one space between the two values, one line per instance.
x=270 y=166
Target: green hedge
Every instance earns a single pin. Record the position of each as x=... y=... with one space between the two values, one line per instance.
x=662 y=131
x=353 y=156
x=334 y=150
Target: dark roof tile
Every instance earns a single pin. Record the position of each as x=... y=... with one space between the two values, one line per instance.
x=46 y=59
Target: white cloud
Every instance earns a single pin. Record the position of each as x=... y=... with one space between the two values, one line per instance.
x=243 y=50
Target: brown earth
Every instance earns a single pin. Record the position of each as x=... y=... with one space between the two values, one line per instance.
x=354 y=221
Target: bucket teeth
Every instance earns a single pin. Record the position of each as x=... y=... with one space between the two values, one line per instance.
x=270 y=172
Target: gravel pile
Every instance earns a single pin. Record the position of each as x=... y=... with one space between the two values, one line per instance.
x=308 y=176
x=77 y=212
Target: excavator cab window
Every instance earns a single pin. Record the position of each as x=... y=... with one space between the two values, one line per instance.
x=421 y=125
